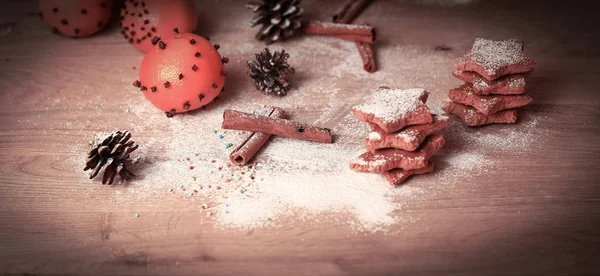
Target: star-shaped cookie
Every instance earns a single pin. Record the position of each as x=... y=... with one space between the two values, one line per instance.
x=508 y=85
x=409 y=138
x=487 y=105
x=394 y=109
x=397 y=176
x=387 y=159
x=471 y=117
x=493 y=59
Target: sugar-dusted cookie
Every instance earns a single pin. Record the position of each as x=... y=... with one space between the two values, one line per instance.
x=397 y=176
x=387 y=159
x=409 y=138
x=473 y=118
x=487 y=105
x=507 y=85
x=493 y=59
x=394 y=109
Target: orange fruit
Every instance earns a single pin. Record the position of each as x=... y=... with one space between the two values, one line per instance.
x=182 y=73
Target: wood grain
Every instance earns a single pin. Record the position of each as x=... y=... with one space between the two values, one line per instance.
x=539 y=216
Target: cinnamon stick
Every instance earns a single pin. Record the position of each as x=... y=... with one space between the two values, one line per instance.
x=368 y=56
x=253 y=142
x=233 y=119
x=350 y=11
x=362 y=33
x=346 y=15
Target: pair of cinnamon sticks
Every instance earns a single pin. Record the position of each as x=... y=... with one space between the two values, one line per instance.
x=362 y=35
x=263 y=127
x=346 y=15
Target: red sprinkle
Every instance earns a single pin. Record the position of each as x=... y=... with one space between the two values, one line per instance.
x=213 y=161
x=195 y=191
x=218 y=187
x=191 y=167
x=220 y=168
x=227 y=180
x=183 y=189
x=178 y=160
x=209 y=186
x=243 y=173
x=187 y=158
x=228 y=165
x=197 y=154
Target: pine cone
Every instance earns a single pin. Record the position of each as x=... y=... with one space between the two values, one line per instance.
x=279 y=18
x=112 y=156
x=270 y=72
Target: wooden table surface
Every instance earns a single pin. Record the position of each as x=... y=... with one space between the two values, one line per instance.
x=537 y=214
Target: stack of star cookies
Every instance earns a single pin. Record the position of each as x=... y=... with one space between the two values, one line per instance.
x=403 y=134
x=494 y=74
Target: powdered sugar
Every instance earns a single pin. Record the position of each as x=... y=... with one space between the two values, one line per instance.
x=392 y=104
x=494 y=55
x=408 y=136
x=374 y=136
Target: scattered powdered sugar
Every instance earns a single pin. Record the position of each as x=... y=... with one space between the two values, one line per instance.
x=408 y=136
x=392 y=104
x=516 y=82
x=374 y=136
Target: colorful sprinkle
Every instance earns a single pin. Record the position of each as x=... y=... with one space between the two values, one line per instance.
x=213 y=161
x=137 y=215
x=269 y=219
x=191 y=194
x=191 y=167
x=181 y=186
x=241 y=191
x=170 y=190
x=214 y=131
x=218 y=187
x=220 y=136
x=228 y=145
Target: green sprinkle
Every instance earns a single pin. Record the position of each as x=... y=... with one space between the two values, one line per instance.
x=241 y=191
x=214 y=131
x=137 y=215
x=269 y=219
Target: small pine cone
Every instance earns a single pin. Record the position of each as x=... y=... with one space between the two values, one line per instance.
x=270 y=72
x=279 y=18
x=112 y=156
